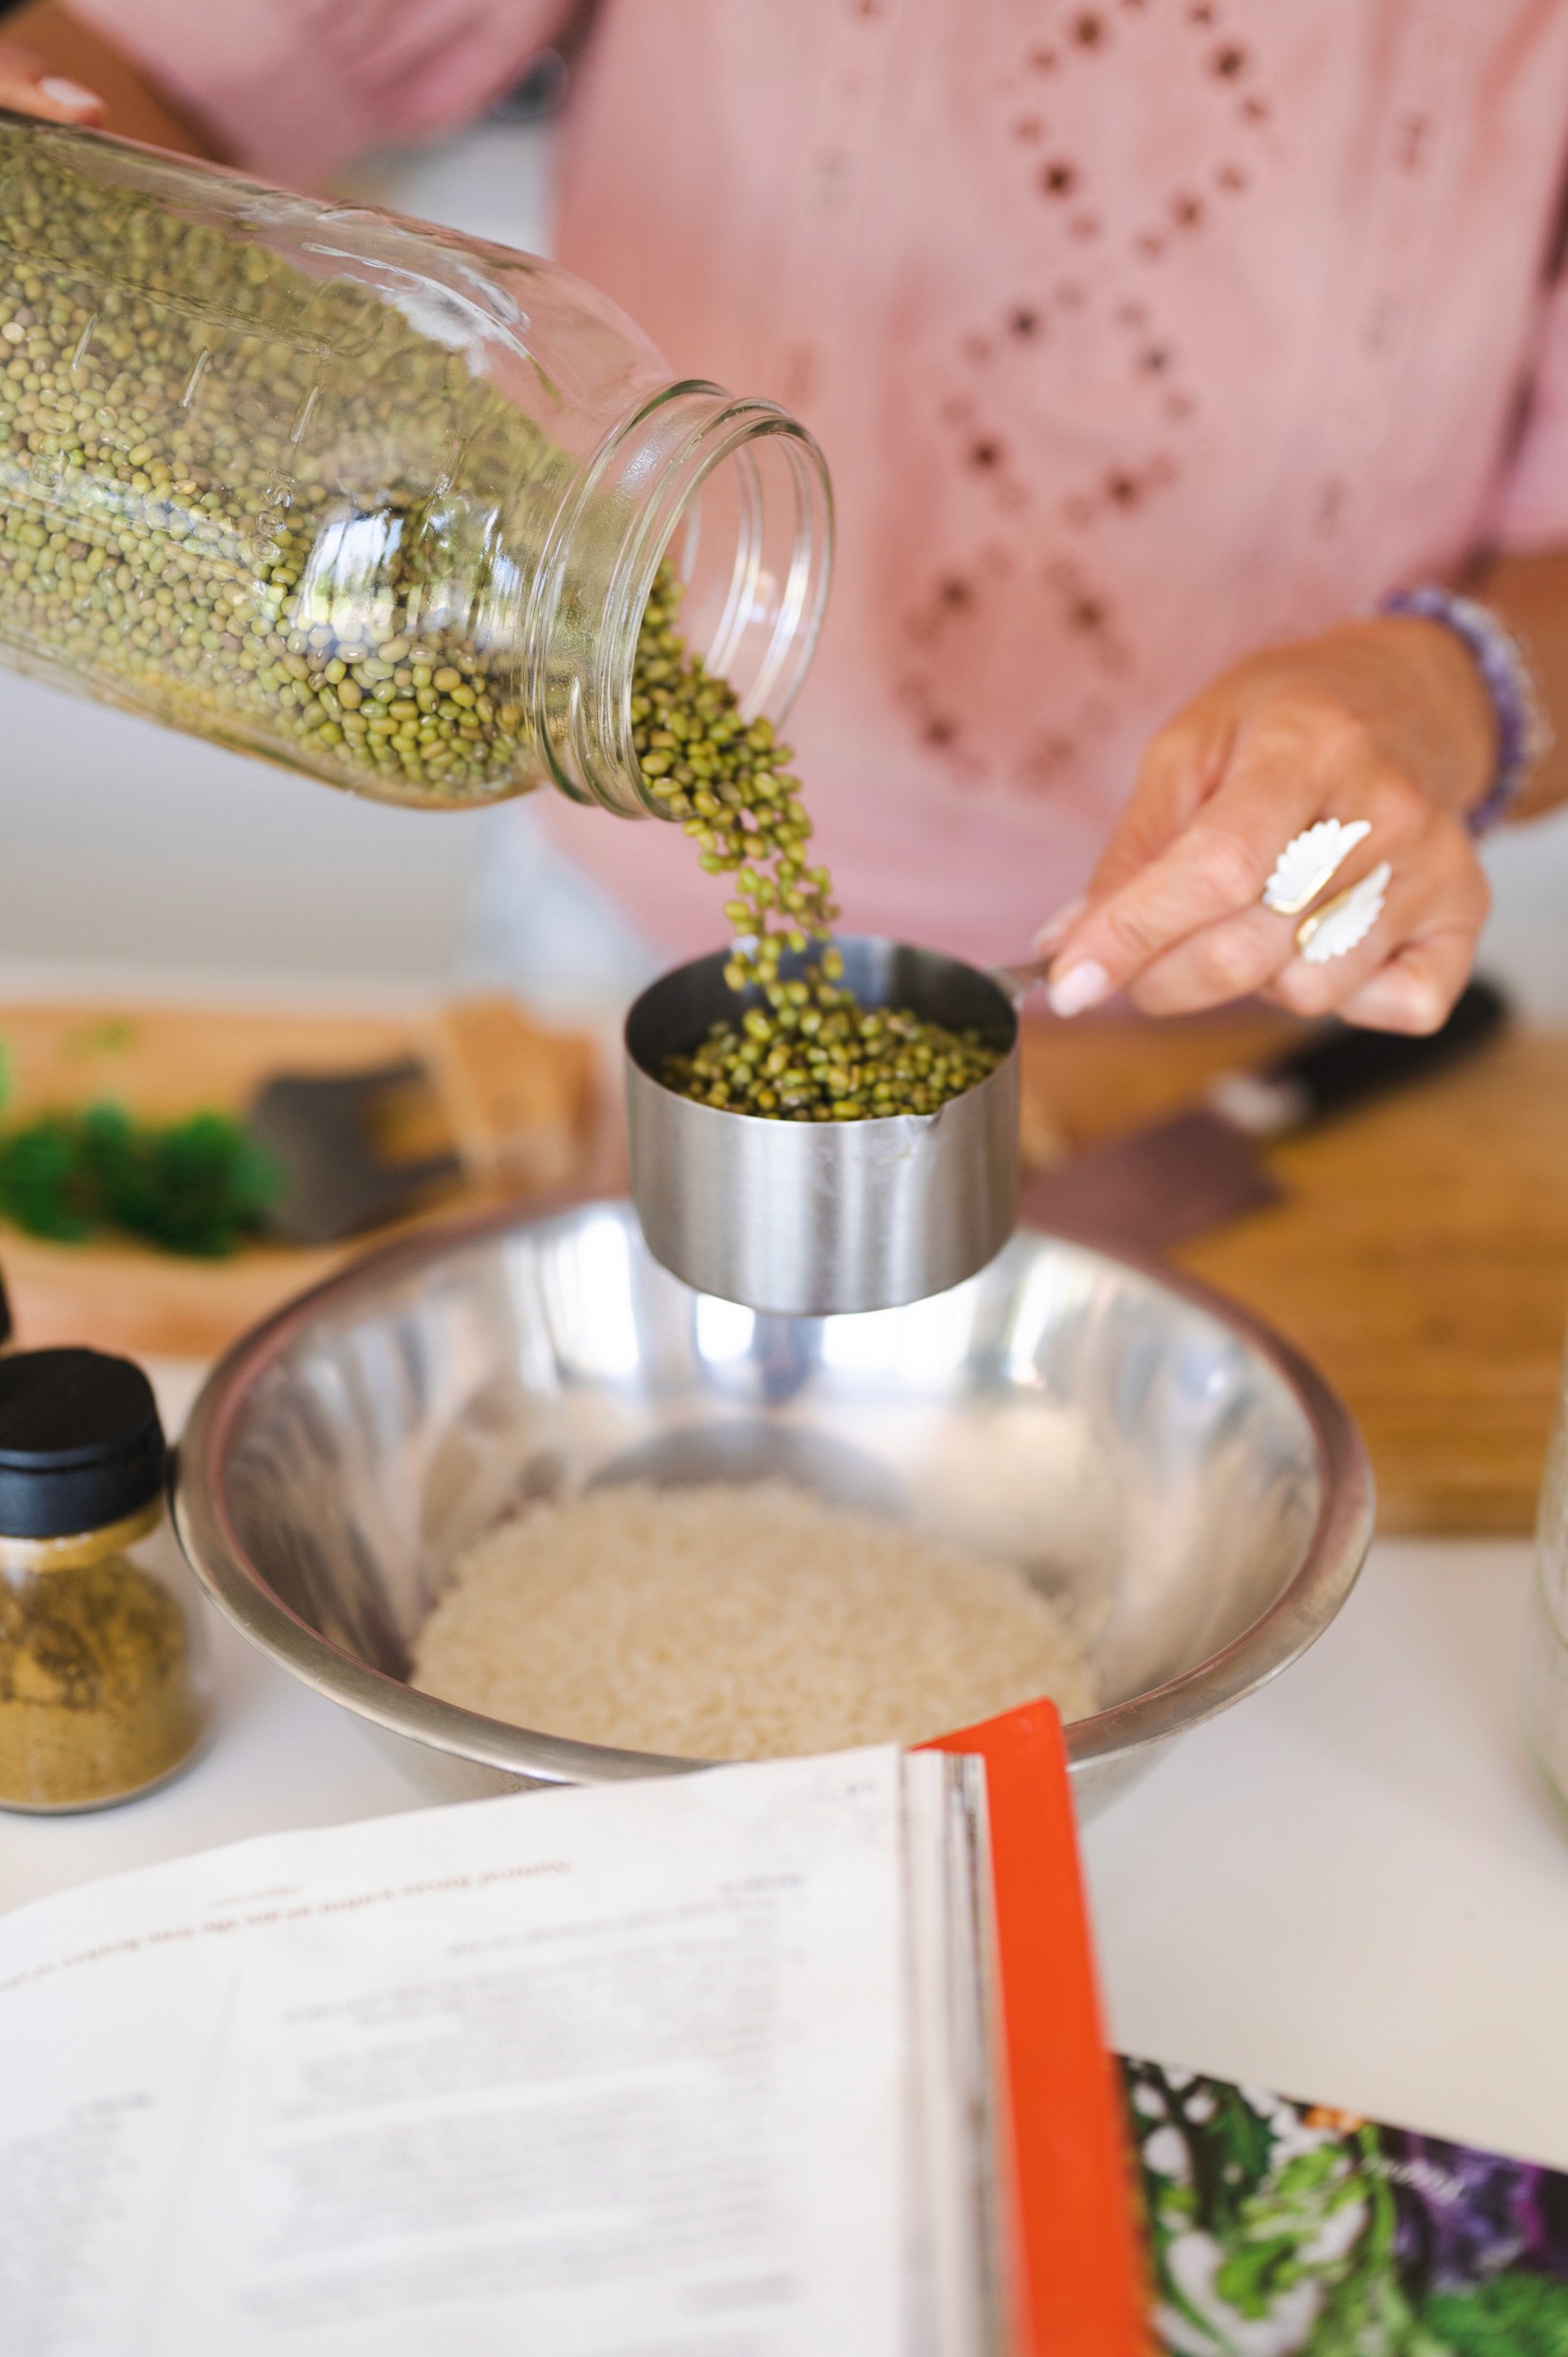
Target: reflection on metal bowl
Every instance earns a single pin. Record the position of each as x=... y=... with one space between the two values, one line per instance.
x=1149 y=1454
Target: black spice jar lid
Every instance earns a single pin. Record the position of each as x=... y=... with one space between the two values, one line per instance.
x=80 y=1444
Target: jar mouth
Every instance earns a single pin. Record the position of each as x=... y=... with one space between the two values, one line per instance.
x=738 y=493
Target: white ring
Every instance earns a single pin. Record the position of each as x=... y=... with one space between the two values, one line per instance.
x=1343 y=923
x=1309 y=860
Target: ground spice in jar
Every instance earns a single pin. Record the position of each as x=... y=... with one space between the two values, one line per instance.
x=96 y=1696
x=102 y=1685
x=802 y=1050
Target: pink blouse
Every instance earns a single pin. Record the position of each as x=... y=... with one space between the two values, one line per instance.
x=1138 y=333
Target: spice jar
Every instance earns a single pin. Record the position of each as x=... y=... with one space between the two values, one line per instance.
x=103 y=1670
x=364 y=497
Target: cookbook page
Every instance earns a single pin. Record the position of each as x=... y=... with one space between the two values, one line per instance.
x=594 y=2072
x=956 y=2262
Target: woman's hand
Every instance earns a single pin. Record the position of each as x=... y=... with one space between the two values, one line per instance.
x=28 y=85
x=1387 y=721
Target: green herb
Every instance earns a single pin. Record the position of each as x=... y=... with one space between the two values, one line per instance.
x=802 y=1050
x=196 y=1187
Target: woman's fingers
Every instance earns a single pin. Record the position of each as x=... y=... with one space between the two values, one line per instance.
x=1372 y=723
x=1181 y=764
x=1241 y=953
x=1213 y=869
x=1230 y=960
x=1435 y=902
x=1413 y=963
x=1187 y=928
x=28 y=87
x=1196 y=845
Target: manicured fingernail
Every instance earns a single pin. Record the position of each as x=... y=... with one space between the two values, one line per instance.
x=69 y=93
x=1079 y=988
x=1059 y=925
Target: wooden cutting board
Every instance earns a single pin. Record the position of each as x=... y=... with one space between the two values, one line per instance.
x=1421 y=1258
x=519 y=1104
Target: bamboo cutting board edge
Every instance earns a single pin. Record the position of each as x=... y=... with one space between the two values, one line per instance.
x=1419 y=1259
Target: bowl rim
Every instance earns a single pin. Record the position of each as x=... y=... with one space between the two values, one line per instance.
x=1327 y=1571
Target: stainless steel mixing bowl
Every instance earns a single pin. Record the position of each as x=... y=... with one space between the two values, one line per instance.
x=1149 y=1454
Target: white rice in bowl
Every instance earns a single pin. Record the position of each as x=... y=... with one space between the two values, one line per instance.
x=739 y=1622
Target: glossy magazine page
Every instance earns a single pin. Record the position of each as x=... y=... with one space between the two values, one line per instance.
x=1277 y=2227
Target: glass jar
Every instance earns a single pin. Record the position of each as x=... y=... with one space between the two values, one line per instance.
x=104 y=1684
x=361 y=496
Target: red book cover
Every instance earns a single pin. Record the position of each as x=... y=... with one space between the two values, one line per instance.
x=1081 y=2289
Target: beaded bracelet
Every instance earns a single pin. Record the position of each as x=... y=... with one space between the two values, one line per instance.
x=1524 y=731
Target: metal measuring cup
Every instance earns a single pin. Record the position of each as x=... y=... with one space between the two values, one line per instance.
x=811 y=1217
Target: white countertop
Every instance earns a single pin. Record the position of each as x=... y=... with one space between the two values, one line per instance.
x=1353 y=1887
x=1350 y=1888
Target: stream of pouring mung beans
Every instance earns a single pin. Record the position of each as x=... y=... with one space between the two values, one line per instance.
x=802 y=1050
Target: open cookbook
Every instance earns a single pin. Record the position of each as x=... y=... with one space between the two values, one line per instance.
x=744 y=2063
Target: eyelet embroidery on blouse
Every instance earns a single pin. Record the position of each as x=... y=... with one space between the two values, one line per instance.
x=1110 y=289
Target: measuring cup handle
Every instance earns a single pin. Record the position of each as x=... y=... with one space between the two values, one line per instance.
x=1020 y=980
